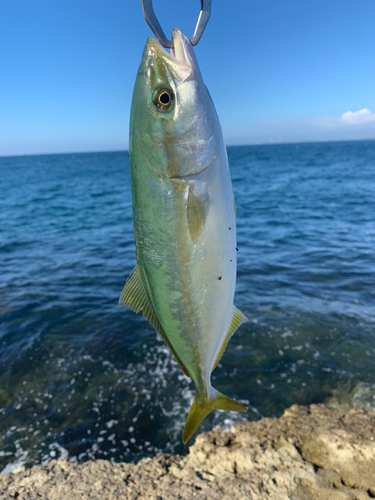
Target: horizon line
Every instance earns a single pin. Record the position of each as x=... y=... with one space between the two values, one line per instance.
x=227 y=146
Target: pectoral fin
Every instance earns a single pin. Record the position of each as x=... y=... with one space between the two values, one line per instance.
x=237 y=320
x=136 y=297
x=197 y=208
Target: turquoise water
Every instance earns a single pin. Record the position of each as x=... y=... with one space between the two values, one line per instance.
x=82 y=378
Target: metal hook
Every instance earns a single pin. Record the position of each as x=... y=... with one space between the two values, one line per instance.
x=154 y=24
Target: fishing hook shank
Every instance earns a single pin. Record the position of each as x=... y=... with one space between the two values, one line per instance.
x=152 y=21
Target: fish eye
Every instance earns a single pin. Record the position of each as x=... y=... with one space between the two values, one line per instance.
x=163 y=99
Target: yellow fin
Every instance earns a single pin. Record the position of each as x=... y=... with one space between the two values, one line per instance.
x=136 y=297
x=202 y=407
x=197 y=207
x=133 y=293
x=238 y=319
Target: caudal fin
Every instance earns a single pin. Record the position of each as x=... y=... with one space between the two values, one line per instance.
x=202 y=407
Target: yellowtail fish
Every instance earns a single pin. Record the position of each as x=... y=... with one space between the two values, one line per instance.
x=184 y=219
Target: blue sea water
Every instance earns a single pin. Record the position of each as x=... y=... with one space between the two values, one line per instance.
x=82 y=378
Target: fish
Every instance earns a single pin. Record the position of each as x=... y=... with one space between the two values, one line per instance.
x=184 y=220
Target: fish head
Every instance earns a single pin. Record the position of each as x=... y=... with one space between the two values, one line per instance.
x=172 y=111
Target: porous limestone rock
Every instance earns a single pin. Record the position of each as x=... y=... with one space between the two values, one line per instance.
x=310 y=453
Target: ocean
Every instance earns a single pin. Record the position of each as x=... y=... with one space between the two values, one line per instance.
x=82 y=377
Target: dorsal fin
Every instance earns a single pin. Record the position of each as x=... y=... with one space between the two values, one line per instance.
x=133 y=293
x=136 y=297
x=237 y=320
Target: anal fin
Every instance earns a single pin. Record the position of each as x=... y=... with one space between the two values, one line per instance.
x=238 y=319
x=135 y=296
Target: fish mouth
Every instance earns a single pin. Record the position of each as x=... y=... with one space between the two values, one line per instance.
x=181 y=61
x=180 y=50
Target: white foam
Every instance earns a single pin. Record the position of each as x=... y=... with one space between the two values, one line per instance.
x=111 y=423
x=20 y=457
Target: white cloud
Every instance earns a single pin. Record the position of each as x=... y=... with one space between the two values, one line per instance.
x=358 y=117
x=345 y=127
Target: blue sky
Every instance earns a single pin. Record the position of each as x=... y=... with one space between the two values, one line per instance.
x=278 y=71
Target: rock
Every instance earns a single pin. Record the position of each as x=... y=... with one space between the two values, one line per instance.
x=310 y=453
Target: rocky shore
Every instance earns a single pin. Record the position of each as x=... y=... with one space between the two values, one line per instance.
x=308 y=453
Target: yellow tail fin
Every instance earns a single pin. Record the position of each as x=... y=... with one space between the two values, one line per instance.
x=201 y=407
